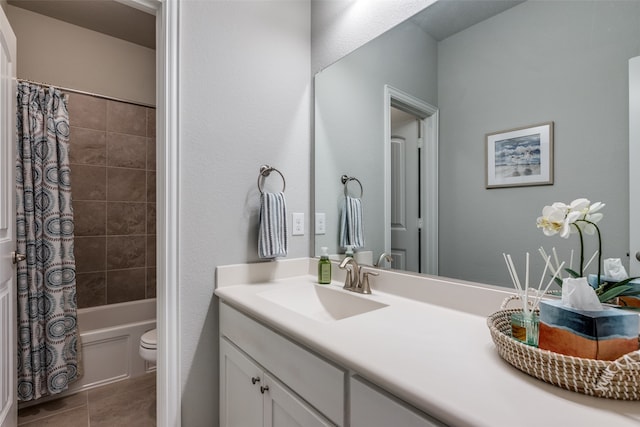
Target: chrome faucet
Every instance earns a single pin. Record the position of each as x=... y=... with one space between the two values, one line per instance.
x=353 y=282
x=384 y=256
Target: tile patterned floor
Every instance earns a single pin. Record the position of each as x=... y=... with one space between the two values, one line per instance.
x=123 y=404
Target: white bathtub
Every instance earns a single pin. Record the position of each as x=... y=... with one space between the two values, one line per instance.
x=110 y=337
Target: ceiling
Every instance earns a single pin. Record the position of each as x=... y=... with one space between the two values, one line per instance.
x=112 y=17
x=105 y=16
x=447 y=17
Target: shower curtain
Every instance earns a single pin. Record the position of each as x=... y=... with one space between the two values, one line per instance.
x=47 y=321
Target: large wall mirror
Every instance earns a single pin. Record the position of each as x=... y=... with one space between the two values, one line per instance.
x=480 y=67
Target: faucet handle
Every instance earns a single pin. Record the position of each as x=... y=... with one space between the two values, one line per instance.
x=366 y=288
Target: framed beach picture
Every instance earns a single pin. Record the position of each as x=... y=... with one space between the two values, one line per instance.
x=519 y=157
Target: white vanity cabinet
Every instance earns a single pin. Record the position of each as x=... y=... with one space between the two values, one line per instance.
x=250 y=397
x=372 y=407
x=265 y=376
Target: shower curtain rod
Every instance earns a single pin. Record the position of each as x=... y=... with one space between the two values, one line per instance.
x=96 y=95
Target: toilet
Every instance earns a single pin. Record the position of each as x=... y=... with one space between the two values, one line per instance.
x=148 y=345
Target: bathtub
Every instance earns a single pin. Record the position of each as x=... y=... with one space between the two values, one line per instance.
x=110 y=336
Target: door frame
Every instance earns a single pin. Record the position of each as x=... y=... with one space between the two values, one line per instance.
x=429 y=164
x=634 y=173
x=168 y=383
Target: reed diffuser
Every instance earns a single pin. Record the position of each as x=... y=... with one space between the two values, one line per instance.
x=524 y=324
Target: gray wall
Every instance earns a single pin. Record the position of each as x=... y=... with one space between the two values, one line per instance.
x=547 y=62
x=349 y=124
x=244 y=101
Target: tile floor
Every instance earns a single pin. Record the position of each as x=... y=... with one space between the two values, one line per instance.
x=126 y=403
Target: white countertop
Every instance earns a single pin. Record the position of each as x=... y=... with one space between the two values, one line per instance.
x=428 y=347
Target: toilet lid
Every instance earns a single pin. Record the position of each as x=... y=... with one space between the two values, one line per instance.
x=149 y=339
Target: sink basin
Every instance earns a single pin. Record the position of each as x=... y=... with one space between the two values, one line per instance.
x=322 y=303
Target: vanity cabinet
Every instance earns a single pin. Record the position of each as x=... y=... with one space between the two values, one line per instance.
x=265 y=376
x=371 y=406
x=250 y=397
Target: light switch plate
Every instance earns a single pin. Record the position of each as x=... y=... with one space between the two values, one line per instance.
x=320 y=223
x=298 y=224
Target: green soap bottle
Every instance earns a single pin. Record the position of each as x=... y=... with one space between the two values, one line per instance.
x=324 y=267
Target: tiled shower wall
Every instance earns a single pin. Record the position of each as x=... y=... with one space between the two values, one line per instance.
x=112 y=149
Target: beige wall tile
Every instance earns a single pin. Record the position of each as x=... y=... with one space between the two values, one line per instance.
x=91 y=289
x=87 y=146
x=126 y=118
x=151 y=187
x=126 y=252
x=151 y=218
x=151 y=251
x=87 y=111
x=89 y=182
x=151 y=122
x=90 y=254
x=126 y=185
x=90 y=218
x=151 y=282
x=127 y=151
x=126 y=285
x=126 y=218
x=151 y=153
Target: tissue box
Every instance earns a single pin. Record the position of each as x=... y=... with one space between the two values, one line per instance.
x=604 y=335
x=629 y=301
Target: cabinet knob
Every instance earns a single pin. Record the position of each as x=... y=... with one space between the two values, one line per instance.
x=255 y=380
x=638 y=256
x=263 y=389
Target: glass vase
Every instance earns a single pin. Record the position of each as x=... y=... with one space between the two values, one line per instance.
x=524 y=327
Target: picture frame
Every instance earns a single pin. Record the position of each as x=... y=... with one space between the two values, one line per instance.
x=520 y=157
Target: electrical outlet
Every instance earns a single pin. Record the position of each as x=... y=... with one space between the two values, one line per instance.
x=320 y=223
x=298 y=224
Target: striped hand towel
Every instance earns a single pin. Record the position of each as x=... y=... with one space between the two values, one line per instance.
x=351 y=232
x=272 y=237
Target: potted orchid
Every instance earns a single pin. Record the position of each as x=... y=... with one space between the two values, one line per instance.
x=582 y=217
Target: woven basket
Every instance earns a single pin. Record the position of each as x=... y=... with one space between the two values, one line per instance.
x=618 y=379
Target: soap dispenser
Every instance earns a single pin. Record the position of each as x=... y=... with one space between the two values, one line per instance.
x=324 y=267
x=349 y=252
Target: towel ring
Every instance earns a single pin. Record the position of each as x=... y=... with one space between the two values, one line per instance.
x=345 y=180
x=265 y=171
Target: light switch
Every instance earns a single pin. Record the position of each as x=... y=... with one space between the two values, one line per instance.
x=298 y=224
x=320 y=223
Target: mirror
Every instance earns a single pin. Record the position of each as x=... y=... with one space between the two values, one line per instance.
x=484 y=70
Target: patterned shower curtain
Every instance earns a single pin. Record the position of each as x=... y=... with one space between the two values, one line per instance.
x=47 y=322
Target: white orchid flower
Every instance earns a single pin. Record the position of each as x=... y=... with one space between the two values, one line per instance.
x=592 y=216
x=580 y=205
x=571 y=218
x=552 y=220
x=559 y=218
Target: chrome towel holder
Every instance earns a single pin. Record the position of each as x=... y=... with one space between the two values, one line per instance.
x=265 y=171
x=345 y=180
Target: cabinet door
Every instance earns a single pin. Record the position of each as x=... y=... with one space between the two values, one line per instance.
x=372 y=408
x=240 y=396
x=284 y=409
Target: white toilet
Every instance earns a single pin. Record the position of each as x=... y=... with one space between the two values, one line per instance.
x=148 y=345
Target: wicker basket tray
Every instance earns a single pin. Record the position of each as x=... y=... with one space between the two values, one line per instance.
x=618 y=379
